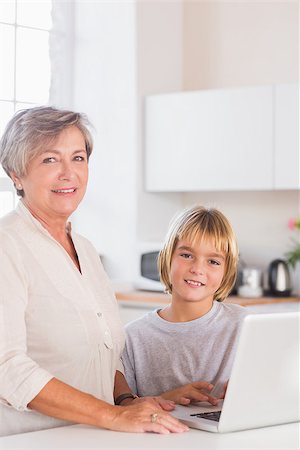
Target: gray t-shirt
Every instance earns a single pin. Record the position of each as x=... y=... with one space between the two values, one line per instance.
x=161 y=355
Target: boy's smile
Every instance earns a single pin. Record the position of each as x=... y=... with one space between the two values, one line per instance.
x=194 y=283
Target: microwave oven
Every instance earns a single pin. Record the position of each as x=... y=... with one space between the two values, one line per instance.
x=148 y=279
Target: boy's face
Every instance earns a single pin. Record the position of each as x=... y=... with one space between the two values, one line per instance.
x=196 y=272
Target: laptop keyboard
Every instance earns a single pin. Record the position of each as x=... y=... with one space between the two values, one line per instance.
x=209 y=415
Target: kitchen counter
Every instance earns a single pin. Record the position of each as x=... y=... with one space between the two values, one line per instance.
x=134 y=304
x=159 y=298
x=283 y=437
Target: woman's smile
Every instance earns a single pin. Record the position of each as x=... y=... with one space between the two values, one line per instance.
x=65 y=192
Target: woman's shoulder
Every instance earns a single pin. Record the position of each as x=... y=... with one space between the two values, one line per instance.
x=10 y=236
x=8 y=220
x=9 y=225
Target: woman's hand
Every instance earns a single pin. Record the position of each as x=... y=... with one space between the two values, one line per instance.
x=193 y=392
x=57 y=399
x=144 y=416
x=158 y=402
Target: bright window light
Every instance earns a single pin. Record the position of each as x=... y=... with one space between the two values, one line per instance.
x=7 y=58
x=25 y=67
x=6 y=112
x=32 y=78
x=7 y=11
x=35 y=14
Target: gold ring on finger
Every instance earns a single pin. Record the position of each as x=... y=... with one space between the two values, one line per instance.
x=154 y=417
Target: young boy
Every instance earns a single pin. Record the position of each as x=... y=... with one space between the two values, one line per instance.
x=184 y=352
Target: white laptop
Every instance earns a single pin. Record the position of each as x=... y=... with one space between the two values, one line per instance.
x=263 y=388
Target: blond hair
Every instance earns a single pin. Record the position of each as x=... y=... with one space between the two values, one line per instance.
x=195 y=224
x=30 y=130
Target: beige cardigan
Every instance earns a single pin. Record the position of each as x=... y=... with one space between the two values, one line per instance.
x=54 y=321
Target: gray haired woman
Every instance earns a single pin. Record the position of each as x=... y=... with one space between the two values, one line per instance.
x=60 y=334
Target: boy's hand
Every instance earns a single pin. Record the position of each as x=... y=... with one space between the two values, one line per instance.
x=223 y=391
x=193 y=392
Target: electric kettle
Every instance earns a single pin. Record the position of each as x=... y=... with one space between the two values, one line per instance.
x=279 y=278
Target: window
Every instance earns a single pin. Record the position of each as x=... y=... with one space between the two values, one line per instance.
x=25 y=67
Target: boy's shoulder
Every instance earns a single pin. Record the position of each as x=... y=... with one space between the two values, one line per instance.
x=142 y=322
x=234 y=311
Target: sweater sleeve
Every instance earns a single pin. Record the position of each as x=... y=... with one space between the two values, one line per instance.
x=21 y=378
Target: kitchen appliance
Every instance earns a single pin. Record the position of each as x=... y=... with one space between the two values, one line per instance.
x=149 y=277
x=279 y=278
x=251 y=283
x=239 y=276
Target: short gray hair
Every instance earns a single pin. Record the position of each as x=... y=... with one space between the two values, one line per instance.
x=29 y=130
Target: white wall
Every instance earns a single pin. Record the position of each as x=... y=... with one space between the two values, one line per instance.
x=105 y=89
x=240 y=42
x=61 y=48
x=159 y=69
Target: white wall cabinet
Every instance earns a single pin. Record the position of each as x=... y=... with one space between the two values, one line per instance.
x=286 y=137
x=221 y=140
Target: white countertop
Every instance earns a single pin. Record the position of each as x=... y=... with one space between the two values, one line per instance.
x=283 y=437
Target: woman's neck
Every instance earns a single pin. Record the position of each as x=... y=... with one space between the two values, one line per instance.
x=56 y=226
x=59 y=229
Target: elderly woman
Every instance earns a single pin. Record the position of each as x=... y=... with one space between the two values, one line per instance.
x=60 y=332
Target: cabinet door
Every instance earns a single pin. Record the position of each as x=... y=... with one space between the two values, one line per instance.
x=209 y=140
x=286 y=153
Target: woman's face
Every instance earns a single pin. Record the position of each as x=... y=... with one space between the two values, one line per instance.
x=56 y=179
